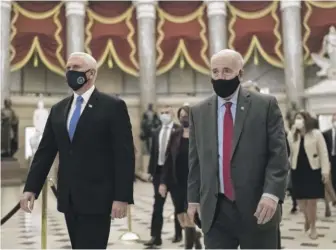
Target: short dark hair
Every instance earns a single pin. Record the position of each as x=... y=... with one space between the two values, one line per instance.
x=185 y=108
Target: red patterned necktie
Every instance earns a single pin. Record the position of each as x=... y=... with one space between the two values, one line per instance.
x=227 y=150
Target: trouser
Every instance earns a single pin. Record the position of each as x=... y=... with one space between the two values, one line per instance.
x=157 y=216
x=88 y=231
x=227 y=231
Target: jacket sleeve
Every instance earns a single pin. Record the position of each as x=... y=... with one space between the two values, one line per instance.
x=123 y=152
x=278 y=165
x=194 y=177
x=323 y=152
x=43 y=159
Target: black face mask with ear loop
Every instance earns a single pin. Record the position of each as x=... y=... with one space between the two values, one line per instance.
x=225 y=88
x=76 y=79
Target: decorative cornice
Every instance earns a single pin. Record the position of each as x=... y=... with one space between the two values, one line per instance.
x=289 y=3
x=145 y=9
x=75 y=8
x=6 y=4
x=216 y=8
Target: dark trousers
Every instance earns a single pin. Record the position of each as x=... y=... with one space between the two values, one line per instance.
x=333 y=171
x=157 y=216
x=227 y=231
x=88 y=231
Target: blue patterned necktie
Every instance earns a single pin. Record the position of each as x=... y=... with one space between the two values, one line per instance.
x=75 y=117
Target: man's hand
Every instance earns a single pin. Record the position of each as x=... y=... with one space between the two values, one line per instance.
x=325 y=178
x=265 y=210
x=193 y=208
x=163 y=190
x=119 y=209
x=27 y=202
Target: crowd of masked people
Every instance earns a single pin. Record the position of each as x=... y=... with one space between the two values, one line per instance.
x=312 y=175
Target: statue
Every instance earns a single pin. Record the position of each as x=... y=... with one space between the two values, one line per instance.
x=9 y=131
x=327 y=59
x=39 y=120
x=40 y=117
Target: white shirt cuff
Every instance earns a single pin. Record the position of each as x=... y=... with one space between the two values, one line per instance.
x=271 y=196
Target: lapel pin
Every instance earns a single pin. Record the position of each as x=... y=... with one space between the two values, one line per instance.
x=242 y=108
x=90 y=106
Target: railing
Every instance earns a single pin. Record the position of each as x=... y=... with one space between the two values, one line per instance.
x=127 y=236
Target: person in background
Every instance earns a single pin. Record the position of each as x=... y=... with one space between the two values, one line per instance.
x=160 y=140
x=238 y=162
x=251 y=86
x=330 y=138
x=310 y=167
x=150 y=121
x=175 y=176
x=92 y=134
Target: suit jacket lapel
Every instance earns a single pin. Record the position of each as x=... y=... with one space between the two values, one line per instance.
x=242 y=109
x=210 y=114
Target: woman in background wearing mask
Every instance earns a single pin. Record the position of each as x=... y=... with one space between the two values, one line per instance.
x=175 y=171
x=310 y=167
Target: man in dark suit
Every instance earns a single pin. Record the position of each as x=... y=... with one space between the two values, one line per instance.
x=330 y=138
x=161 y=137
x=92 y=134
x=238 y=161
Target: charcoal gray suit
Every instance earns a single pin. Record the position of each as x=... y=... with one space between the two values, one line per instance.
x=259 y=164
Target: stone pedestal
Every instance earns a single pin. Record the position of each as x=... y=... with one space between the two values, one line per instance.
x=11 y=173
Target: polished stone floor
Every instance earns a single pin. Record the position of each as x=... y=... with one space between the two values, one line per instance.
x=23 y=231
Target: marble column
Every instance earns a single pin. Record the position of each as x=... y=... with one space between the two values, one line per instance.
x=5 y=44
x=75 y=14
x=293 y=52
x=217 y=25
x=146 y=18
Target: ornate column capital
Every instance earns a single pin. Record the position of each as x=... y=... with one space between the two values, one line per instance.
x=6 y=4
x=75 y=8
x=216 y=8
x=289 y=3
x=145 y=8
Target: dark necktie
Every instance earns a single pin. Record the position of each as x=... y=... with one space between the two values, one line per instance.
x=227 y=150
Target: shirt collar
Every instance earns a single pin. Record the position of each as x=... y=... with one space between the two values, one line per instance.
x=170 y=125
x=86 y=96
x=233 y=99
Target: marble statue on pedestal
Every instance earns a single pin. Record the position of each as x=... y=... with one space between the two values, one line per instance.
x=327 y=59
x=39 y=120
x=321 y=98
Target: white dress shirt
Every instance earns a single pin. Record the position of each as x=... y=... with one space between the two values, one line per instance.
x=164 y=147
x=86 y=97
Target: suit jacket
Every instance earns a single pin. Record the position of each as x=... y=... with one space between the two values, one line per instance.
x=315 y=147
x=97 y=166
x=259 y=160
x=154 y=154
x=169 y=168
x=328 y=139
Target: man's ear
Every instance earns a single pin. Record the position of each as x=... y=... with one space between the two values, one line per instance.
x=240 y=74
x=92 y=74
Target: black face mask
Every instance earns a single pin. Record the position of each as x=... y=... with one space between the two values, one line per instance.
x=185 y=122
x=76 y=79
x=225 y=88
